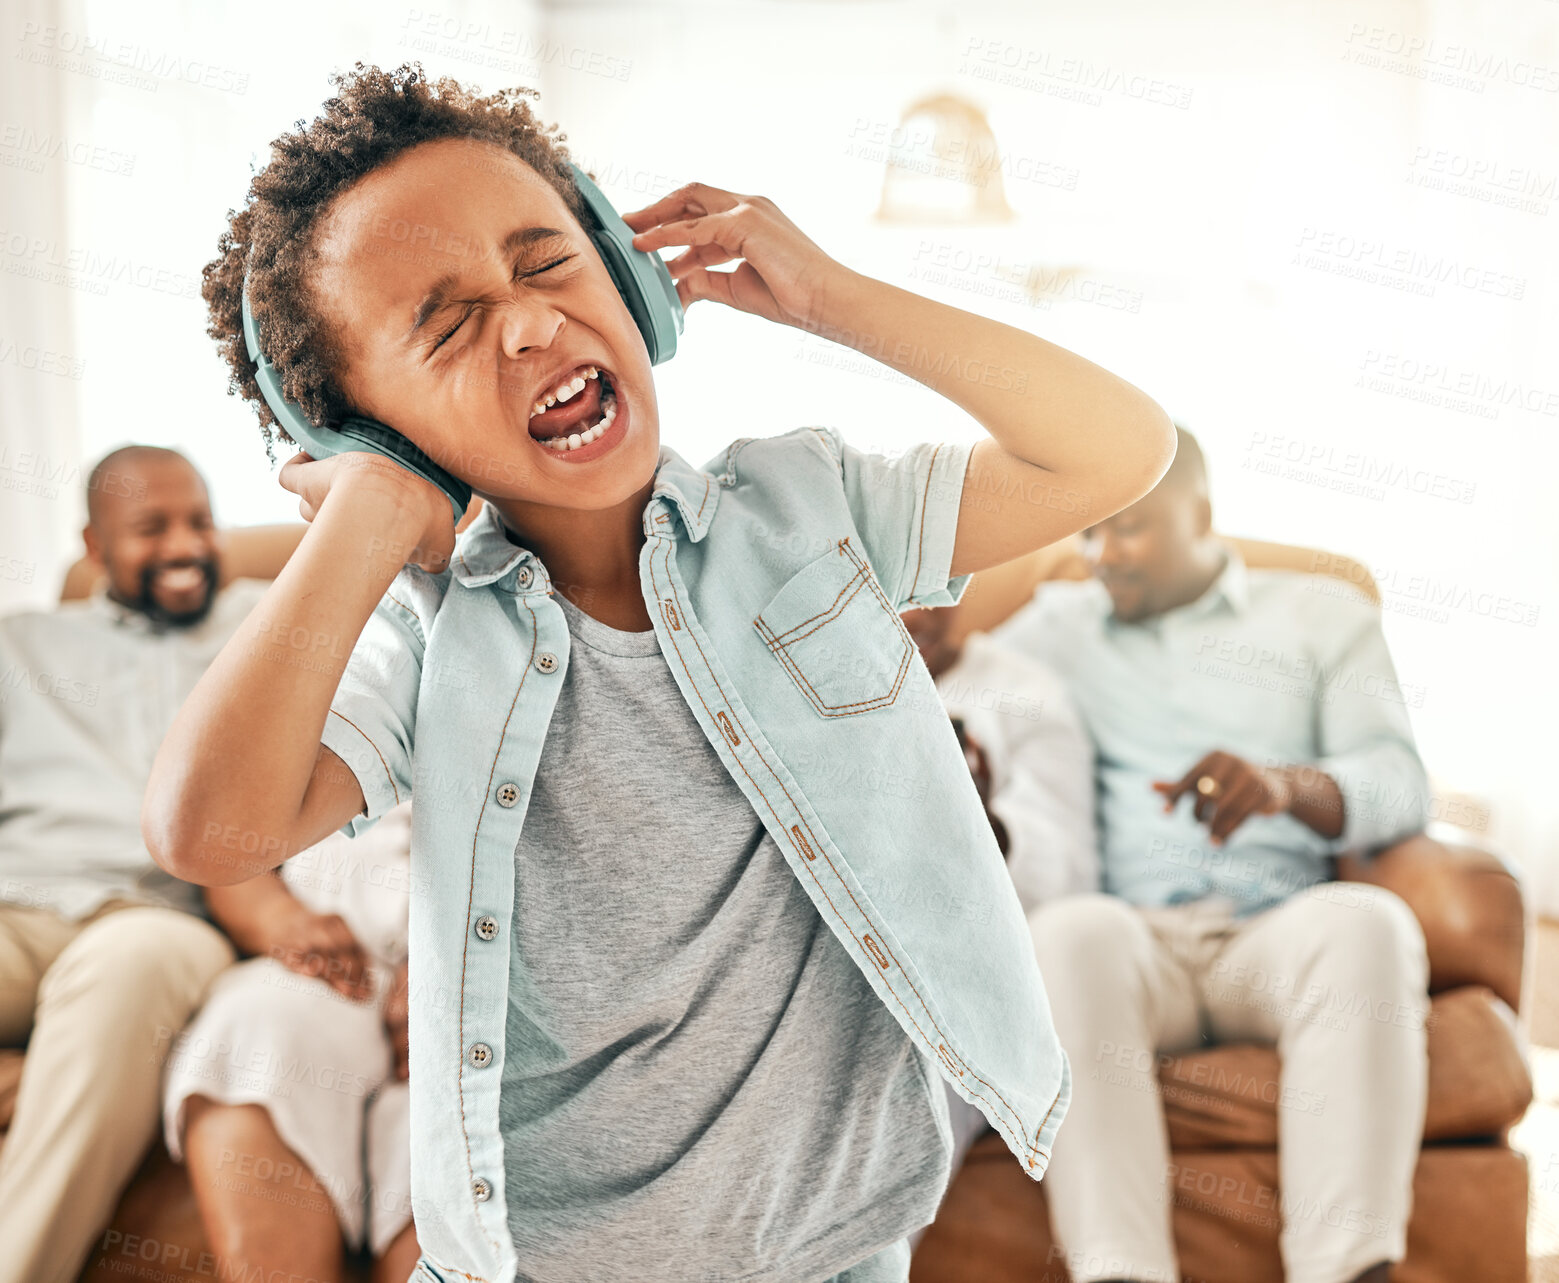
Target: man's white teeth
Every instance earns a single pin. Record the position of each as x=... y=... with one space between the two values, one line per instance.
x=565 y=391
x=578 y=440
x=179 y=577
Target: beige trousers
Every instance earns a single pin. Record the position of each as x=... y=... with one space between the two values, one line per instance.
x=103 y=999
x=1336 y=976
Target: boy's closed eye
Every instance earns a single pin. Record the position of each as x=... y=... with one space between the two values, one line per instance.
x=450 y=332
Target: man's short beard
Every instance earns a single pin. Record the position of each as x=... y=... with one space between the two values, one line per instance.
x=146 y=600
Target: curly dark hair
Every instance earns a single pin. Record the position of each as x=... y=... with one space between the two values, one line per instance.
x=374 y=117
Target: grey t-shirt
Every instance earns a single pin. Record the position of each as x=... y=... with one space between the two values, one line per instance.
x=698 y=1084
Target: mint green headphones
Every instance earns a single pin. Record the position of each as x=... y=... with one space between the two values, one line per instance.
x=639 y=275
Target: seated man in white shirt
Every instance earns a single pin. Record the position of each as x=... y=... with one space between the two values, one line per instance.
x=102 y=953
x=1033 y=765
x=1249 y=726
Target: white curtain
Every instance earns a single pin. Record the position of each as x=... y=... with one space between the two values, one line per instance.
x=42 y=364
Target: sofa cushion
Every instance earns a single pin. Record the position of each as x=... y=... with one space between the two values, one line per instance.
x=1468 y=1223
x=1479 y=1084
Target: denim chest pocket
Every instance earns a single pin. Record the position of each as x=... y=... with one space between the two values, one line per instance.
x=834 y=632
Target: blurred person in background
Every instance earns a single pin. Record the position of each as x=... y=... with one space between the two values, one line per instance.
x=1249 y=726
x=287 y=1094
x=102 y=952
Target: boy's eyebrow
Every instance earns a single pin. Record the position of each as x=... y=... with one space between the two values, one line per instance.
x=520 y=238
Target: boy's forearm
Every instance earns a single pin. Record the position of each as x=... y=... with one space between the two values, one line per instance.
x=228 y=784
x=1043 y=404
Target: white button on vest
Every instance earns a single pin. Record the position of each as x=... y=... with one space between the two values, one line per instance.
x=486 y=927
x=481 y=1055
x=481 y=1190
x=508 y=794
x=546 y=661
x=524 y=577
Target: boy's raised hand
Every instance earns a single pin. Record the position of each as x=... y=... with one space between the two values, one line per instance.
x=405 y=500
x=785 y=277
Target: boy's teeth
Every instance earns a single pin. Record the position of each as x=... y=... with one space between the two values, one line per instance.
x=578 y=440
x=565 y=391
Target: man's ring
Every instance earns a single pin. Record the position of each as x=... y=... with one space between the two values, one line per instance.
x=1207 y=786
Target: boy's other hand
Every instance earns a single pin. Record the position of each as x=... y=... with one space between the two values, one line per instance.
x=785 y=277
x=396 y=1011
x=320 y=945
x=405 y=502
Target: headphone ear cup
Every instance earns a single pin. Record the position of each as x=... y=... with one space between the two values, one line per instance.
x=382 y=439
x=353 y=434
x=640 y=275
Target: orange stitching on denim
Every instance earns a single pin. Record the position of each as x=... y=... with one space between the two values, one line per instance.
x=780 y=648
x=819 y=620
x=728 y=477
x=920 y=535
x=853 y=709
x=725 y=726
x=947 y=1059
x=375 y=748
x=826 y=611
x=1022 y=1139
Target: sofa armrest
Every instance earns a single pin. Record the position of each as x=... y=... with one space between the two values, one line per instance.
x=1470 y=904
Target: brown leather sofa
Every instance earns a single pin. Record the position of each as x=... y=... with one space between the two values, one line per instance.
x=1470 y=1192
x=1470 y=1189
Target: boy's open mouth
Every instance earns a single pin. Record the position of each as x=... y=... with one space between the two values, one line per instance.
x=586 y=414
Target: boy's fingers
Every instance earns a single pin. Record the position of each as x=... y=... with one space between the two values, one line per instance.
x=698 y=256
x=693 y=198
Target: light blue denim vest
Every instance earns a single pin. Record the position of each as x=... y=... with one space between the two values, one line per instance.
x=774 y=585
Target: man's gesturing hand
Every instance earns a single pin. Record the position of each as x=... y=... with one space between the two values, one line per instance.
x=785 y=276
x=1228 y=790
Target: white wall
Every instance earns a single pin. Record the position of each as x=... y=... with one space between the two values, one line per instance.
x=1303 y=288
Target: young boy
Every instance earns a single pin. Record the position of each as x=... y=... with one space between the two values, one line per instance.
x=709 y=899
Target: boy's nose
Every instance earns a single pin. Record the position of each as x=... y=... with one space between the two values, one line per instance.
x=529 y=327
